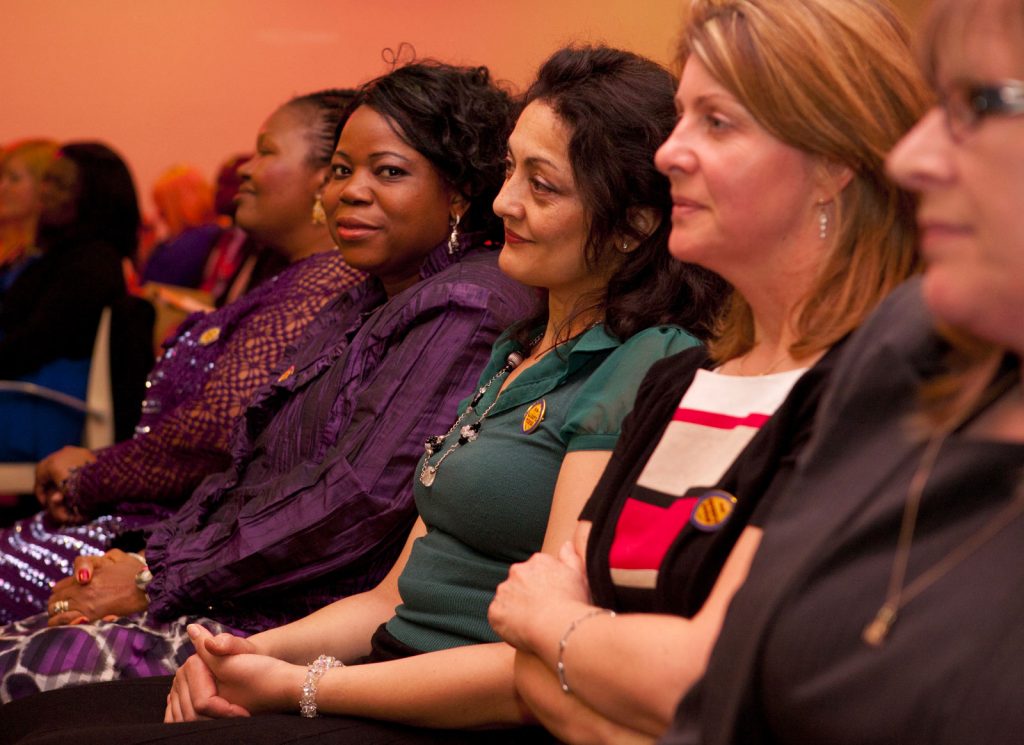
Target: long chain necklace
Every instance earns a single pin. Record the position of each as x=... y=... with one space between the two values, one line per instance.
x=469 y=432
x=899 y=594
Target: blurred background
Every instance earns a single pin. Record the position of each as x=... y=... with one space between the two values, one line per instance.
x=190 y=80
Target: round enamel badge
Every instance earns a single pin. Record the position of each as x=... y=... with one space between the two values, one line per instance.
x=534 y=416
x=713 y=510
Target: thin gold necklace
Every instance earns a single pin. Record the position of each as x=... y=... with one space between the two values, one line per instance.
x=899 y=594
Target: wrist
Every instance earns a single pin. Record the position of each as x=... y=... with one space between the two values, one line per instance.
x=315 y=672
x=546 y=630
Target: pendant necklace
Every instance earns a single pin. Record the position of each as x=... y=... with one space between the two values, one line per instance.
x=900 y=592
x=469 y=432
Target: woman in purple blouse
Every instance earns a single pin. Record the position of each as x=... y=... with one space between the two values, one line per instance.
x=208 y=373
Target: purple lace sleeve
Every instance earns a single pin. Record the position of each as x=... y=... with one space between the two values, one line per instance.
x=176 y=446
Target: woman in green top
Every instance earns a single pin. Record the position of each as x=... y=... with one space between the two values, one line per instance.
x=586 y=223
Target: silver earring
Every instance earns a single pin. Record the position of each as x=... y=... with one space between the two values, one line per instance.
x=822 y=222
x=453 y=238
x=319 y=213
x=625 y=246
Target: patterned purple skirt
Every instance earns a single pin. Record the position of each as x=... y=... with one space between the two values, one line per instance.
x=35 y=657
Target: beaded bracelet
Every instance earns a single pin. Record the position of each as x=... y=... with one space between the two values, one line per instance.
x=560 y=667
x=316 y=669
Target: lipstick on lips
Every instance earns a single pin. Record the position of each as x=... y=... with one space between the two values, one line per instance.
x=350 y=229
x=513 y=237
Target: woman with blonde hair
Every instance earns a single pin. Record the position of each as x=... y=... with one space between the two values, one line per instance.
x=885 y=604
x=786 y=111
x=22 y=165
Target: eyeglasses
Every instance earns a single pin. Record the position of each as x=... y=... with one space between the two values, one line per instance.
x=967 y=104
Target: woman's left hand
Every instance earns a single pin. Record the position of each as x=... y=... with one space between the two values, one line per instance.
x=252 y=682
x=103 y=588
x=538 y=593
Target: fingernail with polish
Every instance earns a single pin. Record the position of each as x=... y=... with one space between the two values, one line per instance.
x=79 y=621
x=83 y=576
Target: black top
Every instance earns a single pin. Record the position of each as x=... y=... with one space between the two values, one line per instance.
x=790 y=665
x=52 y=309
x=695 y=558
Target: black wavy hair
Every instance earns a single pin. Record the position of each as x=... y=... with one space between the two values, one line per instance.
x=106 y=208
x=458 y=119
x=619 y=108
x=324 y=110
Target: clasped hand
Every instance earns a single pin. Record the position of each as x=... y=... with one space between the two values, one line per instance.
x=536 y=591
x=229 y=676
x=102 y=587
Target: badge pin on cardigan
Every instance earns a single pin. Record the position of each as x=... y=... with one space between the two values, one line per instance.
x=712 y=510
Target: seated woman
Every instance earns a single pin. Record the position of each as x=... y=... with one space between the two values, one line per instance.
x=885 y=603
x=317 y=499
x=585 y=220
x=204 y=380
x=692 y=476
x=22 y=165
x=51 y=311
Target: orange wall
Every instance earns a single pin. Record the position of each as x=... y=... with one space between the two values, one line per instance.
x=168 y=81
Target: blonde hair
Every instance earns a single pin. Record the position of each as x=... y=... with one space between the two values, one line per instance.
x=37 y=154
x=184 y=197
x=836 y=80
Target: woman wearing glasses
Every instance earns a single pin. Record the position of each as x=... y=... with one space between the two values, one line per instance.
x=885 y=602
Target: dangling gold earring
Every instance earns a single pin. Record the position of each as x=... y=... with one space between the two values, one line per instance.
x=453 y=238
x=319 y=213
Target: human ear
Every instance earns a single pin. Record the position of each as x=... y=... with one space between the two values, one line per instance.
x=832 y=177
x=643 y=221
x=458 y=205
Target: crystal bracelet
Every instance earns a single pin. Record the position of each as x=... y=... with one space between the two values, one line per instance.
x=316 y=669
x=560 y=667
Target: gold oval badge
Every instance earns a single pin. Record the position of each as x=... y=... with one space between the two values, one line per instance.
x=713 y=510
x=534 y=416
x=209 y=336
x=286 y=374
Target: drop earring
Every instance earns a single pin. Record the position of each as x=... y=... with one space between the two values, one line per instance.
x=319 y=213
x=453 y=238
x=822 y=221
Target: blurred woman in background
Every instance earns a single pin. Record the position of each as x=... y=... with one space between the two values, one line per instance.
x=22 y=165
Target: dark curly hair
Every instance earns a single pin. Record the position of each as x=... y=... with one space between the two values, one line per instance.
x=619 y=108
x=458 y=119
x=323 y=110
x=106 y=208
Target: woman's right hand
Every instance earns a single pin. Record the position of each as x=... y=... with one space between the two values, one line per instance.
x=194 y=692
x=51 y=473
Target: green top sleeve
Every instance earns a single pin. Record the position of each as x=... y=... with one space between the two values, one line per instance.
x=595 y=417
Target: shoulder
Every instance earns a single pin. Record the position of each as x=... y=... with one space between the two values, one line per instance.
x=610 y=391
x=473 y=283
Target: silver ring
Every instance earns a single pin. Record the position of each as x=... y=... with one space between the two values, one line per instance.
x=61 y=606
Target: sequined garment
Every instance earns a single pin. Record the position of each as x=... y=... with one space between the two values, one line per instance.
x=195 y=393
